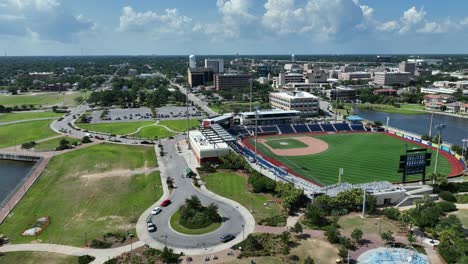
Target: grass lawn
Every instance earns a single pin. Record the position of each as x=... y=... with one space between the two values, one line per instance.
x=315 y=248
x=462 y=214
x=27 y=115
x=95 y=204
x=175 y=218
x=154 y=132
x=16 y=134
x=364 y=158
x=42 y=99
x=180 y=125
x=234 y=186
x=368 y=225
x=119 y=128
x=37 y=257
x=53 y=143
x=405 y=110
x=285 y=144
x=412 y=106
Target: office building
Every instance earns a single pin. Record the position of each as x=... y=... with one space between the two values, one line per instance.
x=192 y=61
x=217 y=65
x=285 y=78
x=342 y=94
x=349 y=76
x=304 y=102
x=407 y=67
x=199 y=76
x=316 y=76
x=231 y=81
x=392 y=78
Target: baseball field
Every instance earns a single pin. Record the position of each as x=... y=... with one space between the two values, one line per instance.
x=365 y=157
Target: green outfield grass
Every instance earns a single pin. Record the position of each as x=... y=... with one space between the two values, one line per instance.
x=42 y=99
x=154 y=132
x=364 y=158
x=290 y=144
x=53 y=143
x=23 y=257
x=118 y=128
x=180 y=125
x=94 y=204
x=17 y=134
x=235 y=187
x=27 y=115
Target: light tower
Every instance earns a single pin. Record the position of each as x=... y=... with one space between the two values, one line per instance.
x=192 y=61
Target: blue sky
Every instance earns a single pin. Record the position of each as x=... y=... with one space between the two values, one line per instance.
x=114 y=27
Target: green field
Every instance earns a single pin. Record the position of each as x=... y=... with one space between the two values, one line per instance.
x=53 y=143
x=37 y=257
x=119 y=128
x=27 y=115
x=80 y=198
x=17 y=134
x=42 y=99
x=235 y=187
x=364 y=158
x=175 y=218
x=154 y=132
x=405 y=109
x=179 y=125
x=285 y=144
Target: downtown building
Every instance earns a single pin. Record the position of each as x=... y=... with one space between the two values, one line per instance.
x=231 y=81
x=303 y=102
x=199 y=76
x=217 y=65
x=392 y=78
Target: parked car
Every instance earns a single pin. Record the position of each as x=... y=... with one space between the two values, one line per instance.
x=166 y=203
x=156 y=211
x=151 y=227
x=227 y=237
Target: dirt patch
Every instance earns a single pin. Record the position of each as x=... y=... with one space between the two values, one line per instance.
x=314 y=146
x=118 y=173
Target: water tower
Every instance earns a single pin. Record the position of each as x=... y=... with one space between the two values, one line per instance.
x=192 y=61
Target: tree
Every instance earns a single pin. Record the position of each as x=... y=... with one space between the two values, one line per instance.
x=308 y=260
x=387 y=237
x=315 y=216
x=333 y=234
x=343 y=253
x=411 y=238
x=212 y=212
x=356 y=235
x=298 y=228
x=285 y=236
x=290 y=195
x=378 y=123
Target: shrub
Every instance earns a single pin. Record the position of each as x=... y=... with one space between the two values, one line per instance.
x=462 y=198
x=447 y=196
x=28 y=145
x=277 y=220
x=333 y=234
x=86 y=140
x=96 y=243
x=85 y=259
x=391 y=213
x=447 y=206
x=261 y=184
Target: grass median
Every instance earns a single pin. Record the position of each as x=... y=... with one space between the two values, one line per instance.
x=88 y=191
x=52 y=144
x=117 y=128
x=17 y=134
x=27 y=115
x=43 y=99
x=175 y=224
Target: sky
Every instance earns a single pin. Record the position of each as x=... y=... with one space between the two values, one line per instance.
x=181 y=27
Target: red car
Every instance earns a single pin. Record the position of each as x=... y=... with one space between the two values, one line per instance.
x=166 y=203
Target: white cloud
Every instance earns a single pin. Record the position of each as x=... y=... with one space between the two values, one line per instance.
x=367 y=11
x=388 y=26
x=168 y=22
x=464 y=22
x=411 y=18
x=41 y=5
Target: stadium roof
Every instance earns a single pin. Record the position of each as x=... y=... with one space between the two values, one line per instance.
x=354 y=118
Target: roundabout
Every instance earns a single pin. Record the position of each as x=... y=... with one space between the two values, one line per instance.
x=177 y=226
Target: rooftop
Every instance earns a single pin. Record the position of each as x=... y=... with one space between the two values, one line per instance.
x=295 y=94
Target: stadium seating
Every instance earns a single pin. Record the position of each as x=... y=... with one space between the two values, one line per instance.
x=358 y=127
x=286 y=129
x=328 y=127
x=315 y=128
x=301 y=128
x=342 y=127
x=270 y=129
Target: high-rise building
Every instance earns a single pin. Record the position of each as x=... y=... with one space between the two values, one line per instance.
x=392 y=78
x=304 y=102
x=407 y=67
x=231 y=81
x=192 y=61
x=199 y=76
x=217 y=65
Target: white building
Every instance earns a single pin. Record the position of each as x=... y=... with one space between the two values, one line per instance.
x=192 y=61
x=285 y=78
x=216 y=64
x=392 y=78
x=348 y=76
x=208 y=146
x=304 y=102
x=265 y=117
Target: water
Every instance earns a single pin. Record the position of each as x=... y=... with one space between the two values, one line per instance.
x=391 y=256
x=11 y=174
x=456 y=130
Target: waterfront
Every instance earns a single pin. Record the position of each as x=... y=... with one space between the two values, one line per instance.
x=456 y=130
x=11 y=175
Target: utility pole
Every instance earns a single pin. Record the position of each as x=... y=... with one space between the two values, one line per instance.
x=438 y=127
x=364 y=205
x=256 y=133
x=432 y=117
x=251 y=84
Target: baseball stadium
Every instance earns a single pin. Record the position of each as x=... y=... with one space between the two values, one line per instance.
x=363 y=156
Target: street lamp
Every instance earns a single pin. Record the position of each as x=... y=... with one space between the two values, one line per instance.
x=439 y=127
x=256 y=134
x=243 y=237
x=165 y=240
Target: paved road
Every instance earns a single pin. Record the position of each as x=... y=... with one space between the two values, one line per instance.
x=174 y=166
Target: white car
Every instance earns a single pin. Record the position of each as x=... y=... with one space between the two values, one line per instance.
x=156 y=211
x=151 y=227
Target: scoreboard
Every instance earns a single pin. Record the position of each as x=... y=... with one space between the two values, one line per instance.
x=414 y=162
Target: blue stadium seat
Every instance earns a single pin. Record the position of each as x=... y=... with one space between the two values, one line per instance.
x=328 y=128
x=286 y=129
x=315 y=128
x=358 y=127
x=301 y=128
x=270 y=129
x=342 y=127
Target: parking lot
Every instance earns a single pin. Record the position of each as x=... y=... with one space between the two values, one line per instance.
x=143 y=114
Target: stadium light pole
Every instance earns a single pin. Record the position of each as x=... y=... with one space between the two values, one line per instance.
x=388 y=120
x=188 y=116
x=432 y=117
x=364 y=204
x=439 y=127
x=256 y=134
x=251 y=84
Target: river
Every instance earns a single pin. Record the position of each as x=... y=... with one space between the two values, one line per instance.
x=11 y=174
x=456 y=128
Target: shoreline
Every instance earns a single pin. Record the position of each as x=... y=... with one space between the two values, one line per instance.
x=402 y=111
